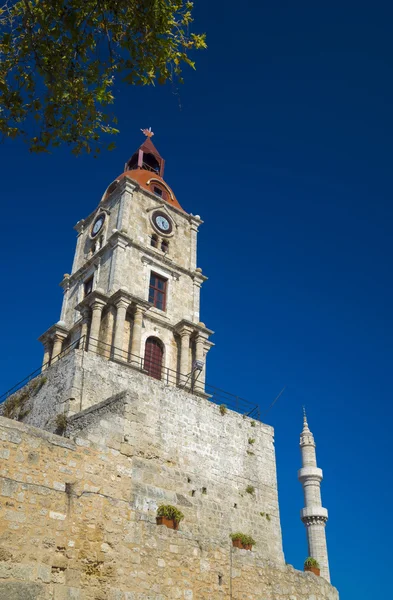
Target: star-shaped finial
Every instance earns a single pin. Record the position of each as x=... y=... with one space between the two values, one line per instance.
x=147 y=132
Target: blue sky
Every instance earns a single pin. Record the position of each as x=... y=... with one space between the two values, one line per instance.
x=282 y=142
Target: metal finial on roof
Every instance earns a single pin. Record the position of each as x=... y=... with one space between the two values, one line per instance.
x=147 y=132
x=305 y=424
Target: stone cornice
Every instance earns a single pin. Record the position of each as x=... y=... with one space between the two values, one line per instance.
x=94 y=296
x=124 y=295
x=56 y=329
x=123 y=240
x=200 y=327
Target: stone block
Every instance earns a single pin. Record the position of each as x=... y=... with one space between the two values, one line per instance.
x=17 y=590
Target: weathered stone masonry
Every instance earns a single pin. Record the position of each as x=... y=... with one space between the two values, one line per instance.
x=124 y=380
x=77 y=517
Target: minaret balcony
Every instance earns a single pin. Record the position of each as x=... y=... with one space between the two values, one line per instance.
x=314 y=513
x=307 y=473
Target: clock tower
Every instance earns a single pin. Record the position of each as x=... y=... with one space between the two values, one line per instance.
x=133 y=294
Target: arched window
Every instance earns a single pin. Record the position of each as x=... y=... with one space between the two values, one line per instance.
x=154 y=240
x=154 y=352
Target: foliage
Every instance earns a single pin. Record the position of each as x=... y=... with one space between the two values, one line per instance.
x=250 y=453
x=59 y=60
x=170 y=512
x=251 y=440
x=245 y=539
x=61 y=423
x=252 y=423
x=223 y=409
x=13 y=407
x=264 y=514
x=250 y=489
x=311 y=562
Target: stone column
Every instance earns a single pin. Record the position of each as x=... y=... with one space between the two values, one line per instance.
x=58 y=340
x=199 y=385
x=193 y=246
x=121 y=309
x=66 y=290
x=47 y=352
x=137 y=336
x=84 y=328
x=96 y=312
x=185 y=357
x=110 y=331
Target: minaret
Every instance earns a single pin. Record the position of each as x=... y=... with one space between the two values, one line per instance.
x=314 y=516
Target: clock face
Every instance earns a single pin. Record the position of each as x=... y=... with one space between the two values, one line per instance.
x=162 y=222
x=97 y=226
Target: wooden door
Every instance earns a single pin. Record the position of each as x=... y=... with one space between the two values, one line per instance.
x=153 y=357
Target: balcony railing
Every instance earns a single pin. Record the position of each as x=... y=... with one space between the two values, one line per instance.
x=190 y=382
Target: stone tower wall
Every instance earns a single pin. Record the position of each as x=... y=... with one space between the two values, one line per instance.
x=129 y=211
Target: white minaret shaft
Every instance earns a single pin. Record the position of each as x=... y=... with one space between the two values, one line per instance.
x=314 y=516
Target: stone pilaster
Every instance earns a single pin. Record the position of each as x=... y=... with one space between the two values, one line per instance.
x=65 y=284
x=121 y=308
x=314 y=515
x=97 y=307
x=185 y=366
x=47 y=354
x=200 y=355
x=119 y=243
x=137 y=334
x=58 y=339
x=85 y=312
x=195 y=221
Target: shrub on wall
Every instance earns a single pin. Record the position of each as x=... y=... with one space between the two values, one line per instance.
x=311 y=562
x=14 y=405
x=170 y=512
x=245 y=540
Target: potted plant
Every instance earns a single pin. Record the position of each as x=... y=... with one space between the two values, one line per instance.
x=310 y=564
x=243 y=541
x=169 y=516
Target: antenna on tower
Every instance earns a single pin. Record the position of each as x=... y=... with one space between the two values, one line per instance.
x=274 y=401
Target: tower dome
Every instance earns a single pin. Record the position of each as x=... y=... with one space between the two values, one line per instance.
x=146 y=167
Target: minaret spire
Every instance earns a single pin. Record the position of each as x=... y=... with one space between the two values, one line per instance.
x=314 y=516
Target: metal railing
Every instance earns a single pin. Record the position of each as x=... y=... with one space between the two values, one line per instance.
x=190 y=382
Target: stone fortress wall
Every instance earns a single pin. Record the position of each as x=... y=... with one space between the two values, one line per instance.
x=77 y=513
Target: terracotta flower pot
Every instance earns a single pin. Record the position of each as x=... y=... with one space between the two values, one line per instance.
x=238 y=544
x=314 y=570
x=170 y=523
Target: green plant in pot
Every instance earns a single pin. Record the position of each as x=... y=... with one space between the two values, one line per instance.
x=169 y=515
x=312 y=565
x=243 y=541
